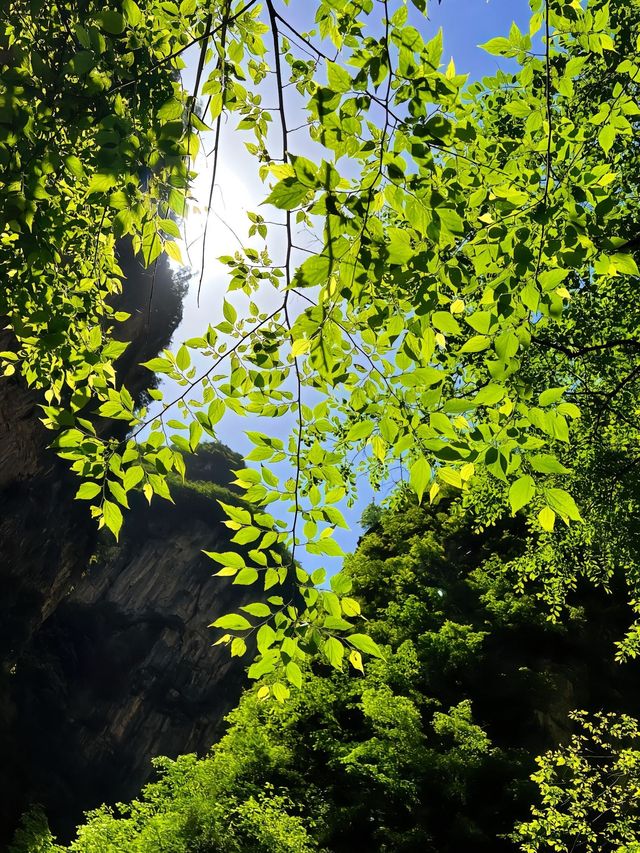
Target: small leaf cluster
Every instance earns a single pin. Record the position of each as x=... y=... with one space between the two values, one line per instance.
x=588 y=790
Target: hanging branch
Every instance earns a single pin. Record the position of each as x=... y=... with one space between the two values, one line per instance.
x=216 y=145
x=545 y=196
x=273 y=18
x=204 y=37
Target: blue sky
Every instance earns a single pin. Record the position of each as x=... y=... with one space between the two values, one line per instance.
x=468 y=23
x=465 y=24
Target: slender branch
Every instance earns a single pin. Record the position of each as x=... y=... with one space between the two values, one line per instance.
x=203 y=376
x=274 y=17
x=151 y=290
x=578 y=353
x=202 y=57
x=196 y=85
x=545 y=196
x=216 y=146
x=182 y=49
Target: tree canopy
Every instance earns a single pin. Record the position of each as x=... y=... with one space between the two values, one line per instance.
x=430 y=749
x=464 y=316
x=442 y=299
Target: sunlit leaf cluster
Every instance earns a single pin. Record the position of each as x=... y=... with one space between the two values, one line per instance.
x=455 y=229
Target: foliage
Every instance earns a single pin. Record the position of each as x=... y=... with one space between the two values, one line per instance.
x=86 y=155
x=33 y=835
x=588 y=790
x=465 y=319
x=429 y=749
x=470 y=235
x=371 y=516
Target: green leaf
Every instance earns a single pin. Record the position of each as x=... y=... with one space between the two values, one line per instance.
x=350 y=607
x=399 y=247
x=606 y=137
x=114 y=349
x=355 y=659
x=238 y=647
x=306 y=172
x=300 y=346
x=480 y=321
x=264 y=666
x=246 y=535
x=544 y=463
x=624 y=264
x=227 y=558
x=158 y=365
x=451 y=220
x=338 y=78
x=151 y=247
x=360 y=430
x=265 y=638
x=550 y=279
x=477 y=343
x=379 y=447
x=280 y=692
x=237 y=513
x=246 y=577
x=257 y=609
x=101 y=182
x=183 y=359
x=518 y=108
x=445 y=322
x=112 y=517
x=287 y=194
x=133 y=476
x=547 y=518
x=315 y=270
x=551 y=395
x=132 y=12
x=195 y=434
x=563 y=504
x=75 y=167
x=229 y=311
x=365 y=644
x=499 y=46
x=420 y=477
x=334 y=651
x=521 y=492
x=294 y=674
x=87 y=491
x=231 y=622
x=172 y=251
x=118 y=492
x=341 y=584
x=111 y=22
x=337 y=623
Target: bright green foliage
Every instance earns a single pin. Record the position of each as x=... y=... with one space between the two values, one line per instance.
x=462 y=228
x=430 y=749
x=371 y=516
x=33 y=835
x=92 y=148
x=86 y=156
x=589 y=791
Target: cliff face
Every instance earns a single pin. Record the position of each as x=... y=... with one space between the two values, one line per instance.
x=106 y=656
x=123 y=668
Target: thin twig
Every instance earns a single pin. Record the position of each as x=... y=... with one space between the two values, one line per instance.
x=182 y=49
x=216 y=147
x=545 y=196
x=274 y=17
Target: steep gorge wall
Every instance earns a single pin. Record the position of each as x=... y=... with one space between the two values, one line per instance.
x=105 y=662
x=123 y=668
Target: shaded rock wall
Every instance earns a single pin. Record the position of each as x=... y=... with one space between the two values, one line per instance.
x=105 y=662
x=123 y=668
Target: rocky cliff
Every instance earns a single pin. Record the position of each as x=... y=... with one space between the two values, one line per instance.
x=106 y=656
